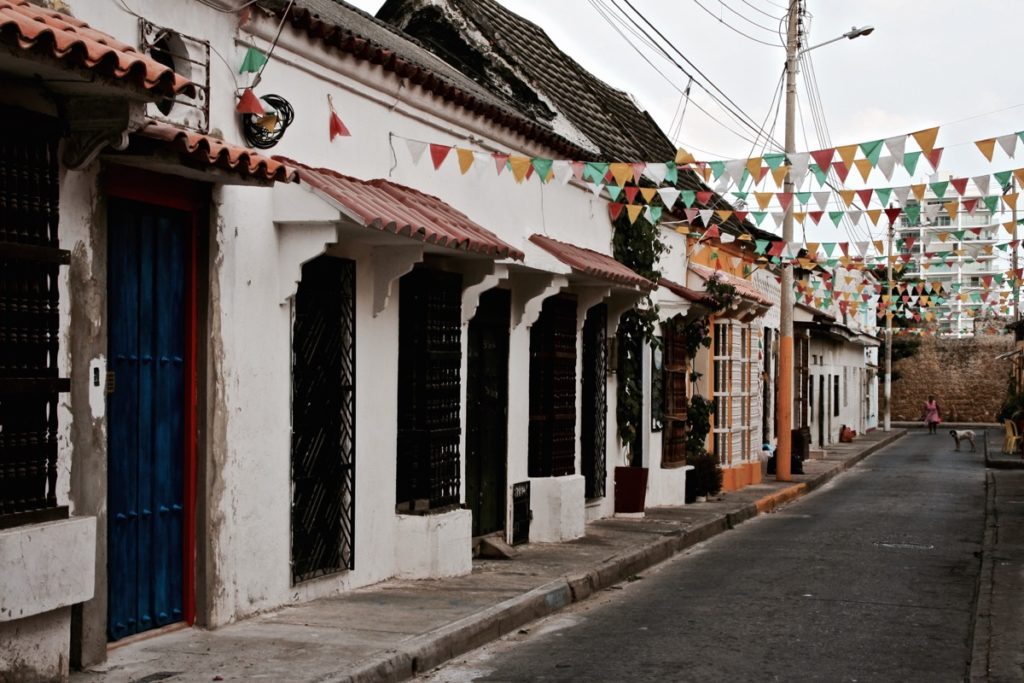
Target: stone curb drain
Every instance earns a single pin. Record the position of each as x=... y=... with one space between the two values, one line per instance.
x=427 y=651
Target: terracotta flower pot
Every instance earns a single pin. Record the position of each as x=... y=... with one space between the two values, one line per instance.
x=630 y=489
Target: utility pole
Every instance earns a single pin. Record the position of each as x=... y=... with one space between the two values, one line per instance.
x=784 y=424
x=887 y=392
x=1016 y=281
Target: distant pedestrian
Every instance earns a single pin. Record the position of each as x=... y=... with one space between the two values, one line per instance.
x=931 y=415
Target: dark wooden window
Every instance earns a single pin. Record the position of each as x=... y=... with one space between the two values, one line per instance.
x=835 y=396
x=30 y=261
x=801 y=350
x=323 y=419
x=429 y=390
x=593 y=434
x=675 y=398
x=552 y=435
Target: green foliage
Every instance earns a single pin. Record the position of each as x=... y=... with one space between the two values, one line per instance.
x=723 y=293
x=1013 y=405
x=904 y=347
x=705 y=479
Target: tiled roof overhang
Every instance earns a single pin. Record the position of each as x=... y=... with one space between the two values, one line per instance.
x=205 y=150
x=389 y=207
x=73 y=44
x=743 y=287
x=692 y=295
x=591 y=262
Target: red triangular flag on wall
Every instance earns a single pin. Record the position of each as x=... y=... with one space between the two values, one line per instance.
x=631 y=192
x=704 y=197
x=248 y=103
x=337 y=127
x=615 y=209
x=959 y=184
x=500 y=159
x=438 y=153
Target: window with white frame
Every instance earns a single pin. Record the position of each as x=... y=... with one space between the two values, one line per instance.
x=734 y=390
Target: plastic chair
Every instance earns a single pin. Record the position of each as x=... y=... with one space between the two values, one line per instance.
x=1011 y=441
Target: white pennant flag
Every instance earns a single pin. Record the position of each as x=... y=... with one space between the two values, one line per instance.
x=734 y=169
x=483 y=163
x=656 y=172
x=416 y=150
x=669 y=195
x=596 y=188
x=726 y=238
x=931 y=211
x=822 y=199
x=799 y=164
x=886 y=165
x=981 y=182
x=896 y=145
x=723 y=184
x=705 y=216
x=1008 y=143
x=901 y=194
x=778 y=217
x=563 y=171
x=854 y=215
x=862 y=247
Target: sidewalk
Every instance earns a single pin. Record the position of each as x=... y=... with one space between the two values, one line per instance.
x=395 y=629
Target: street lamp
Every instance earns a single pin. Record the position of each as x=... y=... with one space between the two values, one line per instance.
x=784 y=410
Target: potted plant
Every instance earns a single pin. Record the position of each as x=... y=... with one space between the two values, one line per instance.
x=705 y=479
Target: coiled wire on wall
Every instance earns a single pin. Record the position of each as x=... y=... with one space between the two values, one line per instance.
x=260 y=137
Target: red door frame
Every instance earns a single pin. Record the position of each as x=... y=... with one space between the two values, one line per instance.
x=184 y=195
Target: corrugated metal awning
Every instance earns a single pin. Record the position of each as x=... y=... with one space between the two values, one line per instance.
x=389 y=207
x=591 y=262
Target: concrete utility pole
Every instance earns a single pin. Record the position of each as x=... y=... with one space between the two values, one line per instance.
x=1016 y=281
x=784 y=411
x=887 y=392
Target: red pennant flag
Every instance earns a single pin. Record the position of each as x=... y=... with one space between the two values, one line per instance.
x=776 y=248
x=935 y=157
x=438 y=153
x=761 y=174
x=691 y=215
x=740 y=215
x=615 y=209
x=500 y=161
x=842 y=170
x=248 y=103
x=865 y=196
x=823 y=158
x=785 y=199
x=959 y=184
x=577 y=169
x=638 y=169
x=704 y=197
x=815 y=215
x=337 y=127
x=908 y=243
x=712 y=232
x=970 y=205
x=893 y=213
x=845 y=247
x=631 y=192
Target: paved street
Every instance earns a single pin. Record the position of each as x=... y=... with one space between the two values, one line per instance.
x=872 y=577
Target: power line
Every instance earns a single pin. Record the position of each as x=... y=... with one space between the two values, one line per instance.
x=746 y=18
x=758 y=9
x=733 y=28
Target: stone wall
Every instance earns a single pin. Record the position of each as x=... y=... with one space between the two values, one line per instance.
x=962 y=374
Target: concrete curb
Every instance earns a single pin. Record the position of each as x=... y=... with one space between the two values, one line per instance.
x=429 y=650
x=981 y=631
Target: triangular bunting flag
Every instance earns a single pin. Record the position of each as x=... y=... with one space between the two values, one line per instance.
x=926 y=139
x=466 y=159
x=986 y=147
x=438 y=153
x=416 y=150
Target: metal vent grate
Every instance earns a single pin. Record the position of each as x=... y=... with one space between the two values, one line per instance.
x=188 y=57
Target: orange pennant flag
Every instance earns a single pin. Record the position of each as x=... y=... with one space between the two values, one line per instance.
x=763 y=198
x=879 y=246
x=874 y=215
x=799 y=216
x=723 y=215
x=707 y=171
x=1008 y=226
x=466 y=158
x=1011 y=199
x=951 y=208
x=520 y=166
x=633 y=211
x=987 y=146
x=918 y=191
x=622 y=173
x=926 y=139
x=864 y=166
x=648 y=193
x=754 y=166
x=779 y=175
x=1019 y=175
x=847 y=153
x=847 y=196
x=684 y=157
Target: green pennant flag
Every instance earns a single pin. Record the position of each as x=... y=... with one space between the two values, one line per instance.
x=1020 y=134
x=939 y=188
x=872 y=151
x=758 y=216
x=959 y=234
x=883 y=194
x=991 y=203
x=542 y=167
x=671 y=173
x=614 y=191
x=899 y=245
x=253 y=62
x=743 y=179
x=761 y=246
x=741 y=195
x=688 y=197
x=654 y=213
x=998 y=277
x=976 y=297
x=1003 y=246
x=836 y=216
x=717 y=169
x=595 y=171
x=802 y=197
x=819 y=174
x=910 y=160
x=774 y=160
x=829 y=247
x=912 y=212
x=1003 y=178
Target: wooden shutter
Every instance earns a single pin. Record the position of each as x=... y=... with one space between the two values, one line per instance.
x=552 y=431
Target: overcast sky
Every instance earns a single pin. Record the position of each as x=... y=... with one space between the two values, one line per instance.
x=929 y=62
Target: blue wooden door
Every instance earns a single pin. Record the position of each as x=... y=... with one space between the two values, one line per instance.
x=148 y=261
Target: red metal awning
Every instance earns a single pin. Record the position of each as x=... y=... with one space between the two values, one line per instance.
x=743 y=287
x=591 y=262
x=696 y=296
x=209 y=151
x=401 y=210
x=72 y=43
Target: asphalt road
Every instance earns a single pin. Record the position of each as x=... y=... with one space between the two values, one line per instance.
x=871 y=578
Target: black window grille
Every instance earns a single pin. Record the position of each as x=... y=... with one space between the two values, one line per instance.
x=594 y=417
x=675 y=372
x=323 y=420
x=429 y=390
x=552 y=432
x=30 y=262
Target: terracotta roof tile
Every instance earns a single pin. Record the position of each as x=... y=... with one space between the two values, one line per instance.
x=743 y=287
x=210 y=151
x=73 y=43
x=694 y=295
x=390 y=207
x=591 y=262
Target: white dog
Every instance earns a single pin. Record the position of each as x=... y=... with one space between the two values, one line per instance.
x=962 y=435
